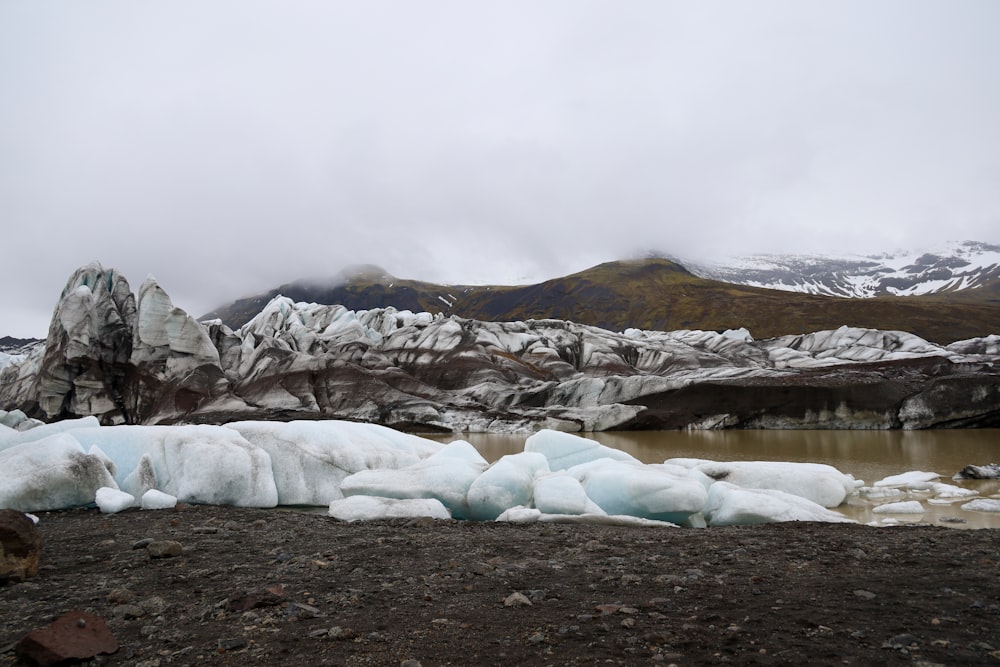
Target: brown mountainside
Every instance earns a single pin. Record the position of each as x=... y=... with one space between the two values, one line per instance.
x=652 y=294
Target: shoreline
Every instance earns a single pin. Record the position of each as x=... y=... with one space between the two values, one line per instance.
x=459 y=592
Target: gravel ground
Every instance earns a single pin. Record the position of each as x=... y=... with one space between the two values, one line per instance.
x=291 y=588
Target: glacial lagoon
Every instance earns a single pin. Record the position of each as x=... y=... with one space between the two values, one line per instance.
x=867 y=455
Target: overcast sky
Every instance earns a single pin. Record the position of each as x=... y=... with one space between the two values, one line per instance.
x=226 y=147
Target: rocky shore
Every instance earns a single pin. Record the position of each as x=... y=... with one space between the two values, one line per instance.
x=223 y=585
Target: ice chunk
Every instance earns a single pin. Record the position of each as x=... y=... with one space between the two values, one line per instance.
x=506 y=483
x=820 y=483
x=532 y=515
x=731 y=505
x=211 y=465
x=369 y=508
x=903 y=507
x=908 y=478
x=142 y=479
x=50 y=474
x=564 y=450
x=14 y=438
x=880 y=492
x=446 y=475
x=646 y=491
x=561 y=493
x=520 y=514
x=951 y=492
x=982 y=505
x=112 y=501
x=310 y=459
x=157 y=500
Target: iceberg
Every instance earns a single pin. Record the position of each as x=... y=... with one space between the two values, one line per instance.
x=731 y=505
x=310 y=459
x=50 y=474
x=820 y=483
x=902 y=507
x=565 y=450
x=645 y=491
x=210 y=465
x=507 y=483
x=370 y=508
x=112 y=501
x=561 y=493
x=445 y=475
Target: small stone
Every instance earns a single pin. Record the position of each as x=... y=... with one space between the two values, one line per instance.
x=902 y=641
x=154 y=605
x=536 y=638
x=120 y=596
x=20 y=546
x=232 y=644
x=337 y=632
x=76 y=635
x=517 y=600
x=164 y=549
x=867 y=595
x=253 y=599
x=143 y=543
x=409 y=663
x=128 y=611
x=205 y=530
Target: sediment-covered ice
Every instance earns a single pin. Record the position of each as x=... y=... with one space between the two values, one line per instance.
x=49 y=474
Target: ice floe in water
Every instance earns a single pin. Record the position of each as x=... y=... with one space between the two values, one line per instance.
x=362 y=472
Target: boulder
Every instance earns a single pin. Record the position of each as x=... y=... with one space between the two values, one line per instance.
x=76 y=635
x=20 y=546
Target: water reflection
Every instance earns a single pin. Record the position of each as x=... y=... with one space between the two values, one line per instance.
x=868 y=455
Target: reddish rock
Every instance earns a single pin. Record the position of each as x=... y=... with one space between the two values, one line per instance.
x=76 y=635
x=20 y=546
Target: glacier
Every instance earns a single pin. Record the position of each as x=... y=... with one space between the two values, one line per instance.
x=139 y=359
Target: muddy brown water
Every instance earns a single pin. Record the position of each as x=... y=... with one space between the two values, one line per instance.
x=868 y=455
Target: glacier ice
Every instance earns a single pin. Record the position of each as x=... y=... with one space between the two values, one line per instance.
x=507 y=483
x=820 y=483
x=445 y=475
x=564 y=450
x=157 y=500
x=112 y=501
x=50 y=474
x=731 y=505
x=310 y=459
x=369 y=508
x=645 y=491
x=364 y=471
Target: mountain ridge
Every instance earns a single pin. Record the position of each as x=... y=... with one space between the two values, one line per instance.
x=651 y=294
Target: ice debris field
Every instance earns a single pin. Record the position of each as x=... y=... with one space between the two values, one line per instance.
x=364 y=472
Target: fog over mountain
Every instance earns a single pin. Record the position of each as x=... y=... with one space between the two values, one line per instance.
x=227 y=147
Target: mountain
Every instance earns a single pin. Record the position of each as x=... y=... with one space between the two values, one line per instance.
x=651 y=294
x=956 y=267
x=136 y=358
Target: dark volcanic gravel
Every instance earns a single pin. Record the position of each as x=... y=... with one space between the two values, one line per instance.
x=288 y=588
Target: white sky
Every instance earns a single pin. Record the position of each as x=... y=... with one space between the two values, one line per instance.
x=227 y=147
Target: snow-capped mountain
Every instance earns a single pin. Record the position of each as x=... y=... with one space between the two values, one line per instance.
x=953 y=267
